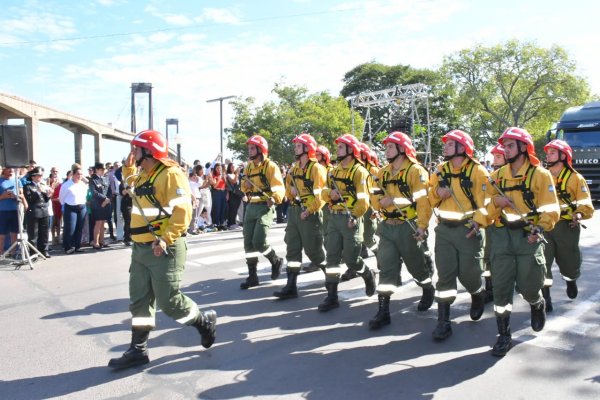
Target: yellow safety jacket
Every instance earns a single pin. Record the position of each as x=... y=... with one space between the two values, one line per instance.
x=408 y=190
x=163 y=194
x=468 y=183
x=352 y=183
x=532 y=192
x=267 y=182
x=573 y=194
x=309 y=182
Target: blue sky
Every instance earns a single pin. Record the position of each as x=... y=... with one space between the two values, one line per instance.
x=82 y=56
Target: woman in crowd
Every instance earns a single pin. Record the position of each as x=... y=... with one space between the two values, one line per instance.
x=234 y=195
x=219 y=196
x=72 y=196
x=37 y=194
x=100 y=205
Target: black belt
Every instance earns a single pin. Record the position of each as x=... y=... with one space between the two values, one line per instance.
x=259 y=203
x=452 y=223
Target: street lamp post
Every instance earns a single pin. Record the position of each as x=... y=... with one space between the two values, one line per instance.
x=178 y=141
x=171 y=121
x=220 y=100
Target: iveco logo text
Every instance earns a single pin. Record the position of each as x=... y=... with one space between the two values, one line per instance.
x=587 y=161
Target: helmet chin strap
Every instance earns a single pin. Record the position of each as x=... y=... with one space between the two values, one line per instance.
x=516 y=156
x=145 y=155
x=398 y=154
x=456 y=153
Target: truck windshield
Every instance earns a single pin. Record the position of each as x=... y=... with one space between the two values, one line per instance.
x=582 y=138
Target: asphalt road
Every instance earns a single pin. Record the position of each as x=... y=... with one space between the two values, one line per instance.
x=64 y=320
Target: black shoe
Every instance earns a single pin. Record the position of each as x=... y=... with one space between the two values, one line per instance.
x=348 y=275
x=504 y=342
x=127 y=243
x=538 y=315
x=331 y=301
x=382 y=318
x=46 y=254
x=250 y=281
x=286 y=292
x=443 y=328
x=206 y=325
x=572 y=289
x=370 y=284
x=276 y=268
x=477 y=305
x=70 y=251
x=547 y=299
x=312 y=267
x=137 y=354
x=426 y=298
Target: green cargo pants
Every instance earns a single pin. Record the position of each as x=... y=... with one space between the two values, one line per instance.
x=457 y=257
x=515 y=261
x=301 y=234
x=343 y=243
x=395 y=242
x=257 y=222
x=155 y=281
x=563 y=247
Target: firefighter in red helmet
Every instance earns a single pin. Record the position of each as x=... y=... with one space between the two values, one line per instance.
x=348 y=198
x=523 y=206
x=457 y=190
x=263 y=185
x=162 y=213
x=575 y=205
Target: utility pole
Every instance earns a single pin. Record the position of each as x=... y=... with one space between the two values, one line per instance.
x=220 y=100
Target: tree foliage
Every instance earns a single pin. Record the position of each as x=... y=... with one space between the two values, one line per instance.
x=372 y=76
x=295 y=111
x=511 y=84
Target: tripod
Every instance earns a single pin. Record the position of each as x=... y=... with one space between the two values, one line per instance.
x=23 y=245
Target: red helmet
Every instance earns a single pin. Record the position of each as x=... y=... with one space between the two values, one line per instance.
x=154 y=142
x=365 y=151
x=461 y=137
x=259 y=142
x=497 y=149
x=351 y=141
x=521 y=135
x=562 y=146
x=325 y=152
x=402 y=139
x=374 y=158
x=308 y=141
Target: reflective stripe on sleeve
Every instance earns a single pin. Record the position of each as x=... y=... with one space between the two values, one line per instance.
x=362 y=196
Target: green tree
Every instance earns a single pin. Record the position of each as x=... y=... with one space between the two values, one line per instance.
x=512 y=84
x=295 y=111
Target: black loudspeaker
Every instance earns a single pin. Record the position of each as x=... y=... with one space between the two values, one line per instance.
x=15 y=149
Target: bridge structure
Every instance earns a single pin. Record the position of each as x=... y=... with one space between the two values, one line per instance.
x=14 y=107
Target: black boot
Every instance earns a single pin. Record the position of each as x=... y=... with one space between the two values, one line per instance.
x=504 y=341
x=331 y=301
x=252 y=279
x=364 y=252
x=206 y=325
x=276 y=263
x=477 y=304
x=443 y=328
x=369 y=278
x=538 y=315
x=547 y=298
x=382 y=317
x=289 y=291
x=348 y=275
x=137 y=354
x=489 y=293
x=426 y=298
x=572 y=289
